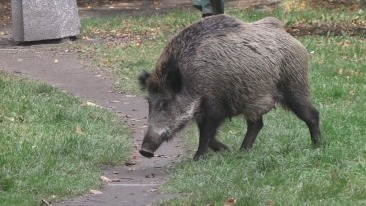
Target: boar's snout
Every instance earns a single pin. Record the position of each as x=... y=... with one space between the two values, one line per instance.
x=146 y=152
x=148 y=147
x=151 y=143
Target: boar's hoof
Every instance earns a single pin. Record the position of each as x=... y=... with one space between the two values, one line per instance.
x=146 y=153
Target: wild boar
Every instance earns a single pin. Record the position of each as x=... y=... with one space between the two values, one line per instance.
x=221 y=67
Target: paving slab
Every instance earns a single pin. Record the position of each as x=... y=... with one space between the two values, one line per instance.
x=134 y=184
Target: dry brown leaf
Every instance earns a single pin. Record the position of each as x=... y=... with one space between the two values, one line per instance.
x=87 y=38
x=95 y=192
x=90 y=104
x=152 y=175
x=79 y=130
x=340 y=71
x=44 y=202
x=130 y=162
x=269 y=203
x=352 y=93
x=105 y=179
x=230 y=201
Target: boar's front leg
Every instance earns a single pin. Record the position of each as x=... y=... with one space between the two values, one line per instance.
x=207 y=128
x=253 y=128
x=216 y=145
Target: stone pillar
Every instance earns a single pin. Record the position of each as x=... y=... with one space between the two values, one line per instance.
x=35 y=20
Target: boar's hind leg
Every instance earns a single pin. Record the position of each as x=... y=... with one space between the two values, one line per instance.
x=253 y=128
x=207 y=128
x=216 y=145
x=306 y=112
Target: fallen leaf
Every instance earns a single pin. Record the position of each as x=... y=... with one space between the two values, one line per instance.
x=340 y=71
x=87 y=38
x=132 y=169
x=269 y=203
x=44 y=202
x=105 y=179
x=130 y=162
x=12 y=119
x=352 y=93
x=90 y=104
x=152 y=175
x=95 y=192
x=230 y=201
x=80 y=130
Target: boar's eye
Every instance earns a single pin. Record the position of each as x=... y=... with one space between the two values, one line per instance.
x=163 y=105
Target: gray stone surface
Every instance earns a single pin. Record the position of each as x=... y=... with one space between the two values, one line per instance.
x=35 y=20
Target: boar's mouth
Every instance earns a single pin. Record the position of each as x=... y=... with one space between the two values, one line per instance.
x=146 y=152
x=152 y=142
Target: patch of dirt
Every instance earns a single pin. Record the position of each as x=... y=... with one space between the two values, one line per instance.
x=323 y=29
x=5 y=12
x=335 y=4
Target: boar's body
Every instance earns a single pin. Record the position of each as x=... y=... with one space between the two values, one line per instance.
x=221 y=67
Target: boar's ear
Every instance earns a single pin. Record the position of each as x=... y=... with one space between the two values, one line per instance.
x=173 y=79
x=143 y=79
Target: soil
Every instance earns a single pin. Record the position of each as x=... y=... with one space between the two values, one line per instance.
x=140 y=178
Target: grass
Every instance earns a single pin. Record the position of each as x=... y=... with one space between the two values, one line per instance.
x=282 y=168
x=51 y=144
x=127 y=45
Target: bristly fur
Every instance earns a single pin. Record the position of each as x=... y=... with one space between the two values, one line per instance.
x=232 y=68
x=143 y=79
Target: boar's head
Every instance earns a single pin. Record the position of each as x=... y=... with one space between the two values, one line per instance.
x=170 y=106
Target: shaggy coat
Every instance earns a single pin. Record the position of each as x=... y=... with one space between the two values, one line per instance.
x=229 y=68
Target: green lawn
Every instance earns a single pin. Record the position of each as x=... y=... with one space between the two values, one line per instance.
x=51 y=144
x=282 y=168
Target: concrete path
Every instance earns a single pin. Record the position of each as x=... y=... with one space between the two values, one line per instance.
x=139 y=183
